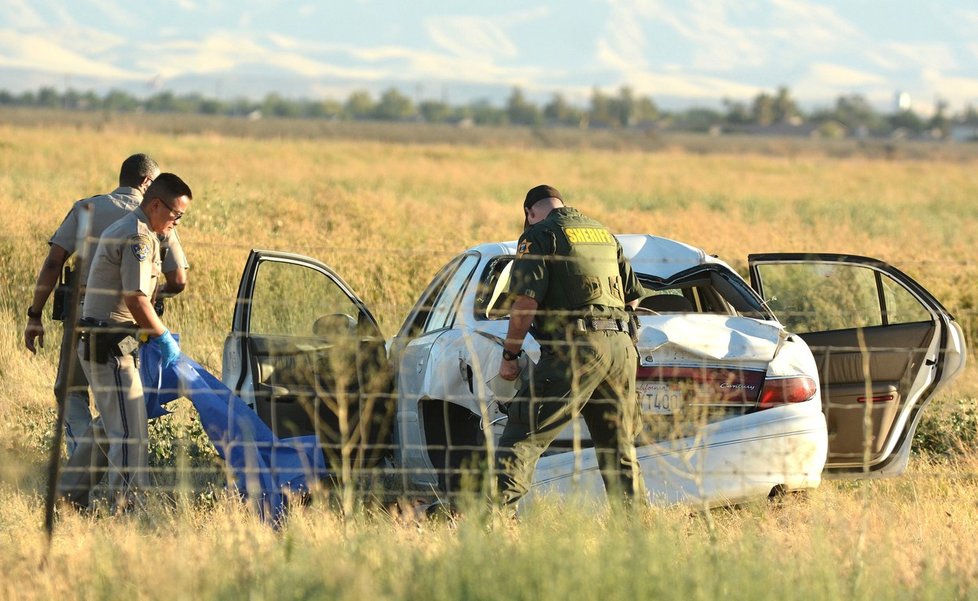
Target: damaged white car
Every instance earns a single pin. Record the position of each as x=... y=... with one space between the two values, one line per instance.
x=741 y=398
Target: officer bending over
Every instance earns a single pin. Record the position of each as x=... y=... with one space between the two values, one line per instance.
x=571 y=284
x=118 y=315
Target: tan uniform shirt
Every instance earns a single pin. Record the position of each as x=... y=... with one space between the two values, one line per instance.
x=127 y=261
x=106 y=210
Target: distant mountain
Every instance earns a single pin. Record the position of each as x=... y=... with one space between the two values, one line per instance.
x=677 y=52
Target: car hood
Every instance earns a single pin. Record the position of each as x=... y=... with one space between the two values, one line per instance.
x=717 y=337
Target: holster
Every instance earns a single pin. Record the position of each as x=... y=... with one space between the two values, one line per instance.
x=103 y=340
x=59 y=304
x=633 y=324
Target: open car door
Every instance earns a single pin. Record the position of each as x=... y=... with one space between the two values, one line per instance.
x=308 y=356
x=883 y=345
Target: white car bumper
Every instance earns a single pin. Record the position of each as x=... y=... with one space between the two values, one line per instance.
x=729 y=461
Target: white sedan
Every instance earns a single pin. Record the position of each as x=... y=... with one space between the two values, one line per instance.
x=741 y=398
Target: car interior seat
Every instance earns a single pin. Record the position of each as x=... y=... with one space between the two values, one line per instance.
x=667 y=303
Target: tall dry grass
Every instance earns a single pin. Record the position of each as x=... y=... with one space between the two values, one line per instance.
x=911 y=538
x=387 y=216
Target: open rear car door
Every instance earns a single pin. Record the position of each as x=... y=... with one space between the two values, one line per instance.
x=883 y=345
x=308 y=356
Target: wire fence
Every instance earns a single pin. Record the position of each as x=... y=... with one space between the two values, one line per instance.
x=719 y=439
x=300 y=408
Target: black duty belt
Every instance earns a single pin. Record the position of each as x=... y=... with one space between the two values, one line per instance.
x=88 y=323
x=601 y=324
x=103 y=339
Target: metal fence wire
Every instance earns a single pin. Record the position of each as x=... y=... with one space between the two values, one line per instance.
x=323 y=412
x=349 y=435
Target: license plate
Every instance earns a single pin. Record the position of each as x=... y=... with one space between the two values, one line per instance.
x=660 y=397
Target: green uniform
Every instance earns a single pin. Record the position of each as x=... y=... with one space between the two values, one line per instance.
x=575 y=269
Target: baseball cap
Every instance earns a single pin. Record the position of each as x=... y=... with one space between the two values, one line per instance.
x=539 y=193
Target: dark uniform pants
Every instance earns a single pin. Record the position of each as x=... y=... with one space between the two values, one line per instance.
x=593 y=376
x=117 y=441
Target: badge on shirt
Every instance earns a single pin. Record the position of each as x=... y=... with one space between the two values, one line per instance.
x=523 y=248
x=140 y=249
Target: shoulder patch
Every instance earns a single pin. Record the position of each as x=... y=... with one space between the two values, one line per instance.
x=140 y=247
x=524 y=248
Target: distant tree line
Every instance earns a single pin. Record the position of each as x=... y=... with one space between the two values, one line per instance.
x=777 y=111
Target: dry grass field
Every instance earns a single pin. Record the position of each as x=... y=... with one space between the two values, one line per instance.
x=386 y=216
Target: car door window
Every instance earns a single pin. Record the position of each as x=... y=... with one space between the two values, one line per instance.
x=442 y=312
x=901 y=306
x=817 y=297
x=814 y=297
x=289 y=299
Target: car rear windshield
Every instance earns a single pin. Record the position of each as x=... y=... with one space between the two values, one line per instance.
x=703 y=289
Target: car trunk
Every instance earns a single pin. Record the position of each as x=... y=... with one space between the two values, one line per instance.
x=697 y=368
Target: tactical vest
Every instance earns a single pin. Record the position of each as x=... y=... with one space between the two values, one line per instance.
x=583 y=272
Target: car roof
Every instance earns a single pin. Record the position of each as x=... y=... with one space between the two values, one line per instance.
x=649 y=255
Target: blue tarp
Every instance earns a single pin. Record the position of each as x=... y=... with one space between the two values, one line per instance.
x=264 y=466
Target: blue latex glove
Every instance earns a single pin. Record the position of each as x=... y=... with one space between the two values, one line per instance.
x=169 y=349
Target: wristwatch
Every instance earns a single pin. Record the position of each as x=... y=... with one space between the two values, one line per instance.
x=508 y=356
x=33 y=315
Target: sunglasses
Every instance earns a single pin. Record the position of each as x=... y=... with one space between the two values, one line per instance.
x=175 y=214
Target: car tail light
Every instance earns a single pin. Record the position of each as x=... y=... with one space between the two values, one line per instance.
x=781 y=391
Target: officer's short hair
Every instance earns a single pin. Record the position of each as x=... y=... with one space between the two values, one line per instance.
x=169 y=187
x=136 y=168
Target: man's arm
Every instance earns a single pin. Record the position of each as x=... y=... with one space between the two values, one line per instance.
x=149 y=324
x=520 y=317
x=47 y=279
x=176 y=282
x=142 y=311
x=174 y=265
x=634 y=292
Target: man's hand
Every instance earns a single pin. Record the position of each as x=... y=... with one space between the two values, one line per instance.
x=508 y=370
x=169 y=349
x=34 y=331
x=47 y=280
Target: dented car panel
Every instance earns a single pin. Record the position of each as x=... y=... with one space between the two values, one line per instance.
x=711 y=337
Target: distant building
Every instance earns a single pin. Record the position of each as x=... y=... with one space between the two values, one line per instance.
x=902 y=102
x=964 y=132
x=784 y=130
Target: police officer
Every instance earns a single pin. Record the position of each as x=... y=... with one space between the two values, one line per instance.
x=137 y=173
x=118 y=315
x=571 y=284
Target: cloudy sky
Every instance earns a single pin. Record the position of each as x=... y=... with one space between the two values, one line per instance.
x=678 y=52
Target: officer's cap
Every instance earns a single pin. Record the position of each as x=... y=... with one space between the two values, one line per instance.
x=539 y=193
